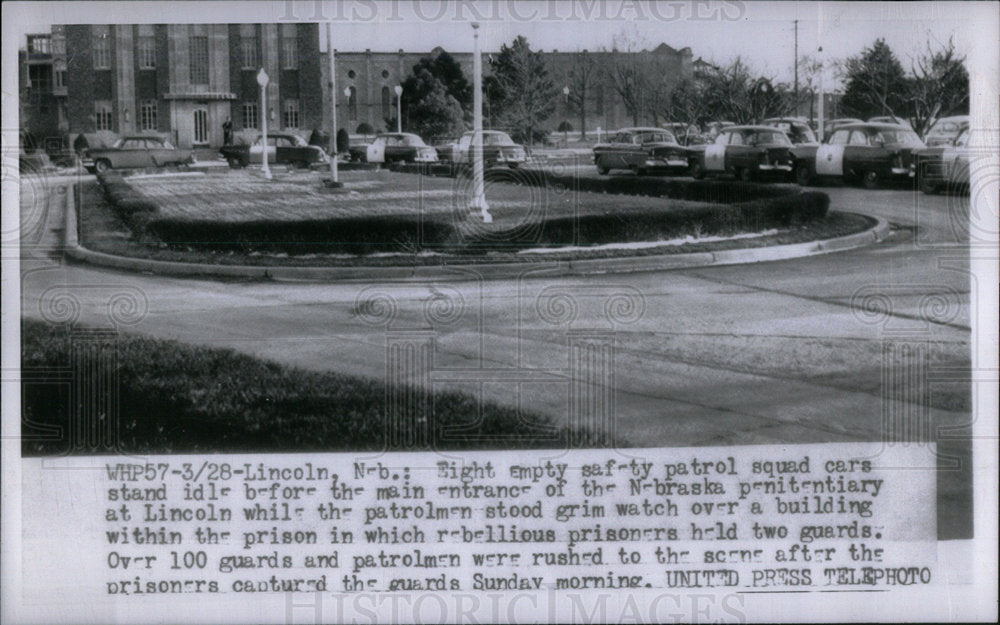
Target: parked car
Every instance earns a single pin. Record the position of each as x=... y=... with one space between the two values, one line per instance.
x=943 y=166
x=946 y=130
x=867 y=152
x=747 y=152
x=135 y=151
x=889 y=119
x=798 y=130
x=833 y=124
x=287 y=149
x=686 y=134
x=640 y=150
x=498 y=149
x=393 y=147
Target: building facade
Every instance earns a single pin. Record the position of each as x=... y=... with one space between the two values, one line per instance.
x=186 y=80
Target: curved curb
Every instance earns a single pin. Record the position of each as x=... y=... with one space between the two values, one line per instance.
x=491 y=271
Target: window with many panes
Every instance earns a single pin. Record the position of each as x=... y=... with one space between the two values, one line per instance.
x=101 y=47
x=146 y=47
x=61 y=78
x=250 y=117
x=249 y=46
x=103 y=119
x=198 y=51
x=386 y=103
x=147 y=115
x=289 y=47
x=291 y=114
x=352 y=103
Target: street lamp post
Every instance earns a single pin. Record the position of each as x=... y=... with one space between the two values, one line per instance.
x=399 y=108
x=262 y=80
x=822 y=96
x=479 y=191
x=333 y=103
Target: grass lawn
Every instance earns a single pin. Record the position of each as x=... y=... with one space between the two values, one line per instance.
x=178 y=398
x=389 y=218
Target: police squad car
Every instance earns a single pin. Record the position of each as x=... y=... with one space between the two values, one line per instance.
x=870 y=153
x=747 y=152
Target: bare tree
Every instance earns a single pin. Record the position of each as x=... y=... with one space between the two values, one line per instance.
x=582 y=76
x=939 y=86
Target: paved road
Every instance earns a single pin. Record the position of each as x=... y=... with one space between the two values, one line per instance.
x=790 y=351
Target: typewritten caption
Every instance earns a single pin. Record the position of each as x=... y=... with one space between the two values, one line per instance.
x=812 y=517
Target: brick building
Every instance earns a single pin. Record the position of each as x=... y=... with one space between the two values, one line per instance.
x=185 y=80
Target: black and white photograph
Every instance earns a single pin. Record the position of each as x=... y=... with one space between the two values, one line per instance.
x=500 y=311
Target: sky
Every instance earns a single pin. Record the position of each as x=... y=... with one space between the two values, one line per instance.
x=762 y=33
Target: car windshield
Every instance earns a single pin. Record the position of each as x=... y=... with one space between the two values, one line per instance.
x=945 y=128
x=905 y=137
x=497 y=138
x=656 y=137
x=772 y=138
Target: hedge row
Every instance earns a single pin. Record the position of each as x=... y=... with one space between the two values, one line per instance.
x=736 y=207
x=123 y=198
x=177 y=398
x=667 y=223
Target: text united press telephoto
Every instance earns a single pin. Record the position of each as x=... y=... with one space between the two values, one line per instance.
x=500 y=311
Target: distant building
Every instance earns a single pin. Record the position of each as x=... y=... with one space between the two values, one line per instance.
x=185 y=80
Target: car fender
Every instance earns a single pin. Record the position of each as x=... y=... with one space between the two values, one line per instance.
x=715 y=157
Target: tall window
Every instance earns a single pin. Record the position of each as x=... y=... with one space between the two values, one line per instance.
x=291 y=114
x=199 y=60
x=61 y=78
x=248 y=46
x=102 y=115
x=599 y=99
x=146 y=47
x=40 y=78
x=289 y=47
x=250 y=117
x=101 y=47
x=386 y=103
x=352 y=103
x=147 y=115
x=59 y=45
x=39 y=44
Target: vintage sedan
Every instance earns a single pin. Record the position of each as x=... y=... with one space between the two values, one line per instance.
x=498 y=149
x=286 y=149
x=798 y=131
x=747 y=152
x=135 y=151
x=394 y=147
x=871 y=153
x=640 y=150
x=946 y=130
x=943 y=166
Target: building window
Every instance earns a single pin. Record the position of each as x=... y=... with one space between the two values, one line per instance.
x=60 y=79
x=250 y=119
x=291 y=114
x=599 y=100
x=102 y=47
x=102 y=115
x=59 y=46
x=40 y=78
x=146 y=46
x=289 y=47
x=352 y=104
x=39 y=44
x=248 y=46
x=147 y=115
x=199 y=60
x=386 y=103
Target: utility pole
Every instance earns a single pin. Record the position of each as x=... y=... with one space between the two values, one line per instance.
x=796 y=67
x=479 y=191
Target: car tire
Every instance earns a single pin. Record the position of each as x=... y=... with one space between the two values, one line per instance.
x=803 y=177
x=928 y=186
x=301 y=164
x=102 y=165
x=697 y=171
x=602 y=169
x=870 y=179
x=745 y=174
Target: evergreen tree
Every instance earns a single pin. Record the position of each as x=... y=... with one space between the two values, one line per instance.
x=875 y=83
x=522 y=94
